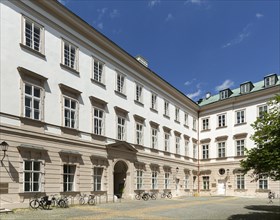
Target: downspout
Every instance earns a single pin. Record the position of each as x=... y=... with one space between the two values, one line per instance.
x=198 y=147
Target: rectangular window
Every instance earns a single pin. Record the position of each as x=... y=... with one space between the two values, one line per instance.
x=70 y=55
x=205 y=151
x=154 y=179
x=195 y=151
x=70 y=113
x=224 y=94
x=98 y=69
x=121 y=128
x=245 y=88
x=166 y=180
x=139 y=133
x=262 y=110
x=240 y=117
x=139 y=177
x=32 y=102
x=194 y=124
x=154 y=137
x=32 y=176
x=68 y=177
x=221 y=149
x=240 y=181
x=120 y=83
x=177 y=114
x=240 y=147
x=154 y=101
x=33 y=35
x=186 y=119
x=205 y=181
x=98 y=121
x=269 y=81
x=263 y=182
x=187 y=181
x=97 y=178
x=138 y=93
x=205 y=124
x=166 y=108
x=177 y=144
x=166 y=141
x=221 y=120
x=187 y=148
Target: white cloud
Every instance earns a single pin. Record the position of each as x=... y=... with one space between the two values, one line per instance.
x=244 y=34
x=225 y=85
x=195 y=94
x=169 y=17
x=195 y=2
x=153 y=3
x=187 y=83
x=259 y=15
x=115 y=13
x=101 y=12
x=100 y=25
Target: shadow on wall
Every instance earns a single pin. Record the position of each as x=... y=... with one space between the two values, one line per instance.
x=262 y=212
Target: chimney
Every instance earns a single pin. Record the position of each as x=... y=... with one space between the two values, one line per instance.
x=142 y=60
x=208 y=95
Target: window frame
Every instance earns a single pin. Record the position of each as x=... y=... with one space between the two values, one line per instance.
x=121 y=83
x=71 y=64
x=138 y=93
x=154 y=138
x=166 y=141
x=33 y=98
x=153 y=101
x=97 y=178
x=206 y=182
x=264 y=108
x=205 y=151
x=222 y=122
x=98 y=76
x=31 y=178
x=154 y=179
x=99 y=130
x=177 y=114
x=69 y=187
x=240 y=181
x=139 y=134
x=221 y=149
x=240 y=119
x=139 y=179
x=76 y=111
x=121 y=136
x=240 y=148
x=263 y=182
x=166 y=108
x=177 y=144
x=166 y=180
x=205 y=124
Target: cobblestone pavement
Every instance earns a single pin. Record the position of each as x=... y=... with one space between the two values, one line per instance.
x=231 y=208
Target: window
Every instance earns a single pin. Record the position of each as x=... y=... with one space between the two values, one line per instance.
x=225 y=93
x=166 y=180
x=154 y=179
x=270 y=80
x=187 y=181
x=138 y=93
x=177 y=114
x=154 y=101
x=240 y=117
x=221 y=120
x=139 y=177
x=68 y=177
x=186 y=148
x=97 y=177
x=32 y=102
x=262 y=110
x=154 y=138
x=33 y=35
x=98 y=69
x=166 y=108
x=221 y=149
x=167 y=141
x=70 y=112
x=240 y=147
x=205 y=124
x=186 y=119
x=70 y=55
x=32 y=176
x=194 y=123
x=205 y=181
x=121 y=128
x=263 y=182
x=240 y=181
x=98 y=121
x=195 y=151
x=246 y=87
x=205 y=151
x=177 y=144
x=139 y=133
x=120 y=83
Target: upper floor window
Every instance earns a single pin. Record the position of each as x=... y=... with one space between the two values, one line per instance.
x=240 y=117
x=270 y=80
x=205 y=124
x=154 y=137
x=33 y=35
x=139 y=93
x=139 y=133
x=68 y=177
x=154 y=101
x=221 y=149
x=70 y=109
x=32 y=176
x=246 y=87
x=167 y=141
x=194 y=123
x=186 y=119
x=120 y=86
x=240 y=147
x=98 y=70
x=195 y=151
x=70 y=55
x=121 y=124
x=205 y=151
x=225 y=93
x=177 y=144
x=177 y=114
x=222 y=120
x=262 y=110
x=32 y=102
x=187 y=148
x=98 y=121
x=97 y=178
x=166 y=108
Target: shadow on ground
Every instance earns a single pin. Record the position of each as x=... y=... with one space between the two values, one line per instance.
x=269 y=212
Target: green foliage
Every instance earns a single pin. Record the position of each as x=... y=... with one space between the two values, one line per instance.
x=265 y=158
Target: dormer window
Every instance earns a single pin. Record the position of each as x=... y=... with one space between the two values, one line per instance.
x=246 y=87
x=224 y=94
x=270 y=80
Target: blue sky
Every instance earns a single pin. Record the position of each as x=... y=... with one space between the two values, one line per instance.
x=198 y=46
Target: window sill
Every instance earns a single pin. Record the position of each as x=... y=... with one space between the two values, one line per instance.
x=166 y=153
x=221 y=158
x=166 y=116
x=205 y=190
x=207 y=159
x=154 y=150
x=98 y=83
x=71 y=131
x=240 y=190
x=31 y=121
x=239 y=124
x=154 y=110
x=186 y=126
x=35 y=52
x=205 y=130
x=176 y=121
x=63 y=66
x=221 y=127
x=120 y=94
x=263 y=190
x=238 y=157
x=194 y=130
x=138 y=103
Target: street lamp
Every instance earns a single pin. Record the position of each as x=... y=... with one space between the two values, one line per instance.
x=4 y=147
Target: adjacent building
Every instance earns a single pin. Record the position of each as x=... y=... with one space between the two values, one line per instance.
x=81 y=115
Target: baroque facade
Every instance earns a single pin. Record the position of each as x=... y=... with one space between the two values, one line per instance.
x=81 y=115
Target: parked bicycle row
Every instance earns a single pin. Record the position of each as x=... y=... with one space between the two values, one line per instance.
x=62 y=202
x=151 y=195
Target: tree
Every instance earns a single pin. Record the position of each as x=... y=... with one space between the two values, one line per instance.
x=265 y=158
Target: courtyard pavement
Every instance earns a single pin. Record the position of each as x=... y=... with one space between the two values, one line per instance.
x=230 y=208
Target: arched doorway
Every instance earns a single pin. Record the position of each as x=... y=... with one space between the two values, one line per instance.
x=120 y=170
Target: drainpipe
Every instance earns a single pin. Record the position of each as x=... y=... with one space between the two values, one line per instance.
x=198 y=147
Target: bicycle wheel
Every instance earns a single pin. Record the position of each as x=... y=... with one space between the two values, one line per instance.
x=91 y=201
x=154 y=196
x=163 y=195
x=145 y=197
x=137 y=196
x=45 y=205
x=82 y=201
x=61 y=203
x=53 y=204
x=169 y=196
x=34 y=204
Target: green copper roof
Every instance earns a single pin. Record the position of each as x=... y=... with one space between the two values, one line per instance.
x=236 y=92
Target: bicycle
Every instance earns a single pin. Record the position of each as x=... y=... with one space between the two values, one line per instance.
x=42 y=202
x=146 y=196
x=166 y=194
x=91 y=199
x=139 y=195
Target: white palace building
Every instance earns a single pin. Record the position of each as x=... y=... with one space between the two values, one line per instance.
x=81 y=115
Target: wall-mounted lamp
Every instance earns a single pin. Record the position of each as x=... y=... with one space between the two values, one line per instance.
x=177 y=169
x=4 y=147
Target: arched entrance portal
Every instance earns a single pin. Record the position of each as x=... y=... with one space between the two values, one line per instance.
x=120 y=170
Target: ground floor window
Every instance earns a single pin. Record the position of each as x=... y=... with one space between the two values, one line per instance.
x=240 y=181
x=205 y=181
x=263 y=182
x=139 y=179
x=166 y=180
x=68 y=177
x=97 y=177
x=154 y=179
x=32 y=176
x=186 y=181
